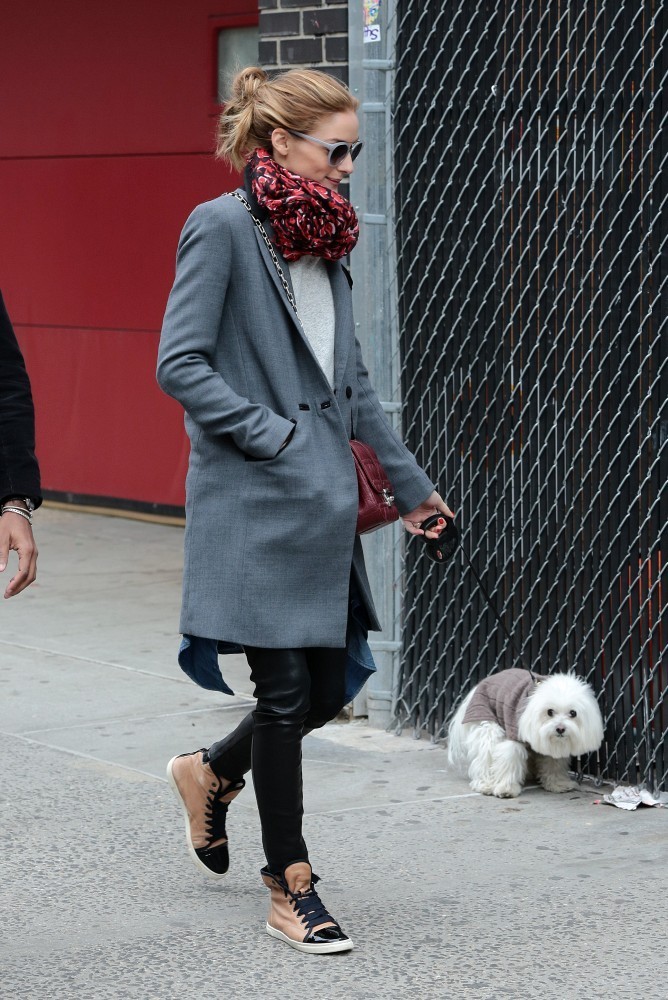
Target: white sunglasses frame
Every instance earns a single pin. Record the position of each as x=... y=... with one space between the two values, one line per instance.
x=353 y=149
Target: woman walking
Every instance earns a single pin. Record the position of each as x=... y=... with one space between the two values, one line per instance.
x=258 y=346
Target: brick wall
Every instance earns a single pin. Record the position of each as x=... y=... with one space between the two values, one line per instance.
x=304 y=33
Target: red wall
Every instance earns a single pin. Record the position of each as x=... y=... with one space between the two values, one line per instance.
x=105 y=148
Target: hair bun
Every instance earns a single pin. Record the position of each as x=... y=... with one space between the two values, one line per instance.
x=259 y=102
x=247 y=83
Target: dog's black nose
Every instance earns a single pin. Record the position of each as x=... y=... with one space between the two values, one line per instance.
x=561 y=730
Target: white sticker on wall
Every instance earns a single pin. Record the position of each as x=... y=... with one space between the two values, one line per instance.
x=371 y=20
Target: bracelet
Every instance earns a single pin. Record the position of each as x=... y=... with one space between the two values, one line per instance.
x=7 y=509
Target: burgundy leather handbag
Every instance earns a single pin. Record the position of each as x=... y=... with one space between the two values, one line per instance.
x=376 y=502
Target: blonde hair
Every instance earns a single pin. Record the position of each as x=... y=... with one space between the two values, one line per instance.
x=296 y=99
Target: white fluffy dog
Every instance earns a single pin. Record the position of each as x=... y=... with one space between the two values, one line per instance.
x=515 y=725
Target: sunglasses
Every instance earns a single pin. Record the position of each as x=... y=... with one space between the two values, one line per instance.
x=337 y=150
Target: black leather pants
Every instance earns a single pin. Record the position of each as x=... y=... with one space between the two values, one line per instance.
x=297 y=690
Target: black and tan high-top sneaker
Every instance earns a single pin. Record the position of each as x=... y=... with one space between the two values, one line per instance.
x=204 y=798
x=298 y=916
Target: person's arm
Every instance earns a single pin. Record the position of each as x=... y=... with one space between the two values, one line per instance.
x=189 y=338
x=19 y=471
x=415 y=494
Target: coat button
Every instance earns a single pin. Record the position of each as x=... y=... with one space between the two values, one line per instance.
x=349 y=392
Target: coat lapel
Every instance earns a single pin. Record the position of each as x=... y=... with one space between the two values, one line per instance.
x=273 y=273
x=263 y=216
x=343 y=342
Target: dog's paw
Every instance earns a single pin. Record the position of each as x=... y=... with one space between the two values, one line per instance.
x=482 y=787
x=559 y=785
x=507 y=790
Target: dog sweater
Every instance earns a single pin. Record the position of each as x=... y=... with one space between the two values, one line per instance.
x=502 y=698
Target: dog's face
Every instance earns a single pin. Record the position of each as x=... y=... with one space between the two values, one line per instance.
x=562 y=718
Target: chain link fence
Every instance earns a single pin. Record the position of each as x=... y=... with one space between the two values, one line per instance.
x=530 y=222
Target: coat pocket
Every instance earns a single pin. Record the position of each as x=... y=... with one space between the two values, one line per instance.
x=284 y=447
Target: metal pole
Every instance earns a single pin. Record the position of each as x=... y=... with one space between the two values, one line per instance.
x=374 y=301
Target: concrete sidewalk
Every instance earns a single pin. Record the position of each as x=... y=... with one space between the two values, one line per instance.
x=446 y=894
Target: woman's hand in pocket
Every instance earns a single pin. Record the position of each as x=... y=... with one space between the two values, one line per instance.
x=288 y=438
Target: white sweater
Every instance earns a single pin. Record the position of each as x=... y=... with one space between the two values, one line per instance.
x=313 y=295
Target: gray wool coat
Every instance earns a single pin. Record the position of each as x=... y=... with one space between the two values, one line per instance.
x=270 y=538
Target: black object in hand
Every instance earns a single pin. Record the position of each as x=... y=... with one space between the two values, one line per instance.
x=440 y=549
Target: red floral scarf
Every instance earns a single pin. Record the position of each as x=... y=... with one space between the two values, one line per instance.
x=307 y=218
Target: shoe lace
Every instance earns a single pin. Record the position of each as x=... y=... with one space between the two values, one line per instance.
x=215 y=811
x=310 y=908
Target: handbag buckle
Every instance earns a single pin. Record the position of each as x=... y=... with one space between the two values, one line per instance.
x=388 y=498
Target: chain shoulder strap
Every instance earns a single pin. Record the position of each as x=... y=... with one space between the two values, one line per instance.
x=270 y=247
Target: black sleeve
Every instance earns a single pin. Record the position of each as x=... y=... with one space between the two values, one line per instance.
x=19 y=471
